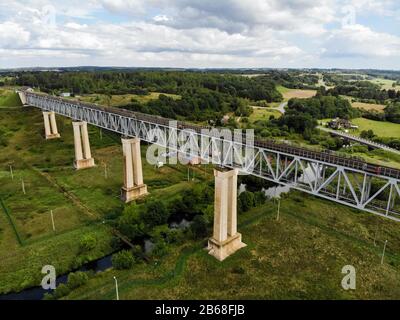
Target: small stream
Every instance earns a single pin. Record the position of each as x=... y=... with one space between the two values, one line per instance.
x=99 y=265
x=37 y=293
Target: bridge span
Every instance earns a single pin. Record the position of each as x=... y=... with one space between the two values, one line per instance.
x=346 y=180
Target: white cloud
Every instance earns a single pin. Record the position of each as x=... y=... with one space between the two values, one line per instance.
x=236 y=33
x=361 y=41
x=13 y=35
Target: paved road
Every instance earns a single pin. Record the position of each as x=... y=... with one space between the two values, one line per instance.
x=280 y=108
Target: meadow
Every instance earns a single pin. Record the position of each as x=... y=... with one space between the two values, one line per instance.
x=385 y=83
x=80 y=200
x=380 y=128
x=260 y=113
x=295 y=93
x=299 y=256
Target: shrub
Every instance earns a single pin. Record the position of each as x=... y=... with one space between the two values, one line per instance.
x=123 y=260
x=155 y=213
x=199 y=227
x=246 y=201
x=88 y=242
x=77 y=279
x=61 y=291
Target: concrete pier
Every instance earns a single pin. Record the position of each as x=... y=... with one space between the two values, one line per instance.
x=50 y=125
x=83 y=156
x=225 y=240
x=133 y=175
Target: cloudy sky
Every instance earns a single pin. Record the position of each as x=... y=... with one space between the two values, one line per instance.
x=201 y=33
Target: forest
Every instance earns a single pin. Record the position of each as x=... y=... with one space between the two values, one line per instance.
x=204 y=96
x=364 y=90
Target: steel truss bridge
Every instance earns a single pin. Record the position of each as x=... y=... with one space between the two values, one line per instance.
x=347 y=180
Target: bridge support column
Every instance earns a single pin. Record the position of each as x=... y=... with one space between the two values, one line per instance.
x=50 y=125
x=83 y=156
x=225 y=240
x=133 y=176
x=22 y=97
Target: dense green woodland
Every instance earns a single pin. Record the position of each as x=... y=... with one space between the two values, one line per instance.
x=208 y=95
x=364 y=90
x=204 y=96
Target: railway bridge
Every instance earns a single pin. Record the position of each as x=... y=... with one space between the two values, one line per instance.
x=343 y=179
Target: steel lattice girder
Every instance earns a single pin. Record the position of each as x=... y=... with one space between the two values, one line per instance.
x=343 y=184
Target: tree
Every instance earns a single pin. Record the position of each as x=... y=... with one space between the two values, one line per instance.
x=155 y=213
x=367 y=134
x=122 y=260
x=77 y=279
x=130 y=223
x=199 y=226
x=87 y=243
x=246 y=201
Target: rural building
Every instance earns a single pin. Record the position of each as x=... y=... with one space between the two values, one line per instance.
x=341 y=124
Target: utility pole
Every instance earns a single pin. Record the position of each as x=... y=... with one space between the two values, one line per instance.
x=376 y=234
x=11 y=172
x=279 y=208
x=116 y=287
x=23 y=186
x=52 y=220
x=383 y=253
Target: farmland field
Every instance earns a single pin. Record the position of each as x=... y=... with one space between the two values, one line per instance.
x=295 y=93
x=385 y=83
x=368 y=106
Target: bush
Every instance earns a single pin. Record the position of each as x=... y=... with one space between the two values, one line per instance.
x=123 y=260
x=61 y=291
x=160 y=248
x=155 y=214
x=88 y=242
x=259 y=198
x=199 y=227
x=367 y=134
x=246 y=201
x=77 y=279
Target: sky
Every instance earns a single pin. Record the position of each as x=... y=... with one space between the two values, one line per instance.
x=201 y=33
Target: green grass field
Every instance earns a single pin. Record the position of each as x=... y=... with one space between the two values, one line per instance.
x=385 y=83
x=298 y=257
x=9 y=99
x=380 y=128
x=263 y=114
x=80 y=200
